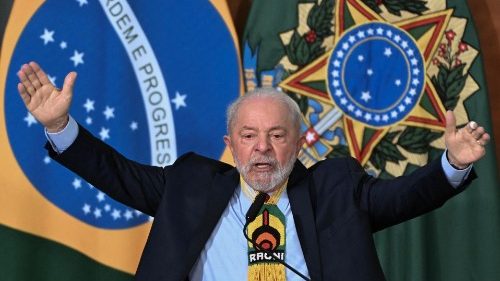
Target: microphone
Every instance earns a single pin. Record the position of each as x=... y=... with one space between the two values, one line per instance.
x=254 y=209
x=250 y=216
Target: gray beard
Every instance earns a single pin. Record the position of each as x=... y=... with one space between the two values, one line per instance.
x=268 y=182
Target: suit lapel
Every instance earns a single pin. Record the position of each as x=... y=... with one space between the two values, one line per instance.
x=302 y=209
x=217 y=199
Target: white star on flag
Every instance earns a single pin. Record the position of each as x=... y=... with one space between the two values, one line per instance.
x=47 y=36
x=82 y=2
x=366 y=96
x=109 y=112
x=88 y=120
x=104 y=133
x=361 y=58
x=397 y=82
x=369 y=72
x=116 y=214
x=100 y=196
x=86 y=208
x=387 y=52
x=179 y=100
x=128 y=215
x=107 y=207
x=63 y=45
x=134 y=126
x=77 y=183
x=97 y=213
x=30 y=119
x=89 y=105
x=352 y=39
x=77 y=58
x=46 y=160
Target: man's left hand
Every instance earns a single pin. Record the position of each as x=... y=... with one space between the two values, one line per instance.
x=466 y=145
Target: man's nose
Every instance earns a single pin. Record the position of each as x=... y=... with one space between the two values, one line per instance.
x=263 y=144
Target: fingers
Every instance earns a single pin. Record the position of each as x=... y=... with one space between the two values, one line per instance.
x=451 y=122
x=23 y=78
x=477 y=133
x=69 y=82
x=40 y=74
x=24 y=93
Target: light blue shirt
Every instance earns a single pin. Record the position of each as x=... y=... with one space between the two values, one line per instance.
x=224 y=256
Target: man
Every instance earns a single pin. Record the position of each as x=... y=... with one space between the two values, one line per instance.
x=327 y=212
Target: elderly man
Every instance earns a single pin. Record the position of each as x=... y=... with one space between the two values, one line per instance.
x=319 y=221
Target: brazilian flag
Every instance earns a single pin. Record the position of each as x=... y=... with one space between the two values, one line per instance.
x=373 y=80
x=154 y=80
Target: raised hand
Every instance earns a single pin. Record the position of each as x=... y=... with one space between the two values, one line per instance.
x=48 y=104
x=466 y=145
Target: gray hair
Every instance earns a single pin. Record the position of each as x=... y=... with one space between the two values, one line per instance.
x=265 y=92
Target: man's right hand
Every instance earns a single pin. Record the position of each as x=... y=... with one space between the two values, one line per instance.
x=49 y=105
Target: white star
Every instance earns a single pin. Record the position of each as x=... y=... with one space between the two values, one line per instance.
x=63 y=45
x=410 y=52
x=370 y=31
x=77 y=58
x=408 y=100
x=338 y=93
x=89 y=105
x=128 y=215
x=335 y=73
x=401 y=108
x=413 y=92
x=137 y=213
x=377 y=118
x=77 y=183
x=368 y=116
x=104 y=133
x=340 y=54
x=30 y=119
x=361 y=34
x=352 y=39
x=343 y=101
x=116 y=214
x=397 y=82
x=336 y=63
x=350 y=108
x=86 y=208
x=107 y=207
x=415 y=82
x=88 y=120
x=416 y=71
x=90 y=186
x=100 y=196
x=387 y=52
x=394 y=114
x=361 y=58
x=366 y=96
x=414 y=62
x=134 y=126
x=404 y=44
x=47 y=36
x=335 y=83
x=109 y=112
x=52 y=79
x=380 y=31
x=82 y=2
x=310 y=137
x=385 y=118
x=369 y=71
x=358 y=113
x=345 y=46
x=46 y=160
x=97 y=213
x=179 y=100
x=389 y=33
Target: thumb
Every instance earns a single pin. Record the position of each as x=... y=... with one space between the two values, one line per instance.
x=451 y=122
x=69 y=83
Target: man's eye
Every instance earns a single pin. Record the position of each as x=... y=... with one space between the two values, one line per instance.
x=247 y=136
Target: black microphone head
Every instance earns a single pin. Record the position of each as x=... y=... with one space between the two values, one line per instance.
x=254 y=209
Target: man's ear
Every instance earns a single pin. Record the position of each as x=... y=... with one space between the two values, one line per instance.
x=300 y=143
x=227 y=141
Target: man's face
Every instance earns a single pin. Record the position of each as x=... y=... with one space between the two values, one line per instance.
x=264 y=143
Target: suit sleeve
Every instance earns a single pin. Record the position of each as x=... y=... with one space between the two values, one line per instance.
x=389 y=202
x=136 y=185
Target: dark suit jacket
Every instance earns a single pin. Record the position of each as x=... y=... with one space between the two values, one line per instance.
x=335 y=204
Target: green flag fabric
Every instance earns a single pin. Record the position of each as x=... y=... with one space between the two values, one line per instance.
x=373 y=80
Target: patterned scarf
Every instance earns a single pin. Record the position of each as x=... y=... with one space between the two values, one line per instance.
x=268 y=232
